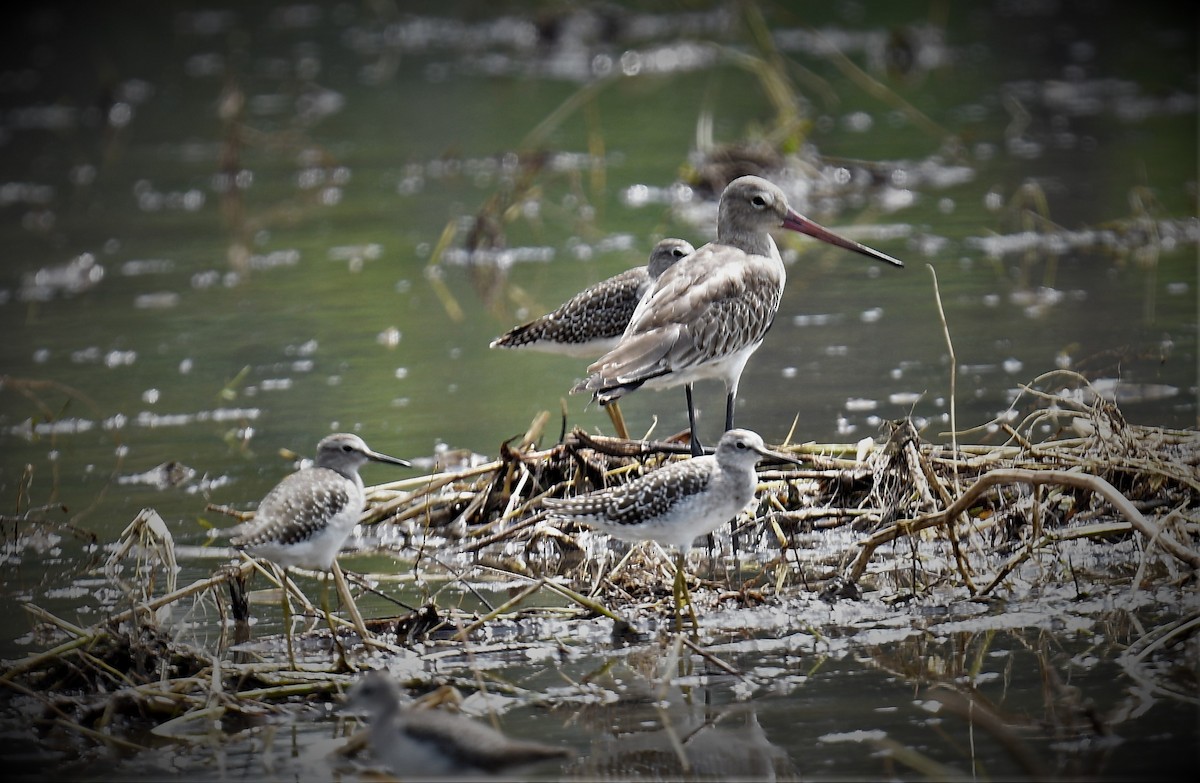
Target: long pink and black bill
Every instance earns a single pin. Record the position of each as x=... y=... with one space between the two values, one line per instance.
x=797 y=222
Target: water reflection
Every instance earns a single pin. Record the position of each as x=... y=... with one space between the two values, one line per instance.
x=660 y=727
x=676 y=736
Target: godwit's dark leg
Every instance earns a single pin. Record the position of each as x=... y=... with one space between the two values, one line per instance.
x=697 y=447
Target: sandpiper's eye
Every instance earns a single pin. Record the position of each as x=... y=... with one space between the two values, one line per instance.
x=741 y=445
x=678 y=252
x=759 y=202
x=346 y=447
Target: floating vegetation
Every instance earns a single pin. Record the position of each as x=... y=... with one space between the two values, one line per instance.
x=1101 y=502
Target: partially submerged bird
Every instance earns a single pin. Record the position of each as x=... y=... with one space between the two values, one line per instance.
x=677 y=503
x=705 y=318
x=590 y=322
x=422 y=743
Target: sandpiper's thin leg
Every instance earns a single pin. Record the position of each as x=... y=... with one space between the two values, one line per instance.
x=683 y=596
x=287 y=617
x=697 y=447
x=618 y=421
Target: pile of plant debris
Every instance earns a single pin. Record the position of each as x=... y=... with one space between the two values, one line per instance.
x=901 y=519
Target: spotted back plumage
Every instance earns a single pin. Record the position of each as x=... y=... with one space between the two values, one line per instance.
x=303 y=504
x=306 y=517
x=630 y=505
x=590 y=322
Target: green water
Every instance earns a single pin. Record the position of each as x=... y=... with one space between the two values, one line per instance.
x=359 y=144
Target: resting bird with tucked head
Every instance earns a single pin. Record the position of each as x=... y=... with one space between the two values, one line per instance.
x=423 y=743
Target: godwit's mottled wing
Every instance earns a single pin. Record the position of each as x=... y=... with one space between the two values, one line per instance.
x=699 y=311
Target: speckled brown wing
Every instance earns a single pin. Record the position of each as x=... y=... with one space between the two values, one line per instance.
x=298 y=508
x=654 y=495
x=599 y=312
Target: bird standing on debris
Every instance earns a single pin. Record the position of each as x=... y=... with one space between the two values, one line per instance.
x=306 y=518
x=422 y=743
x=675 y=504
x=704 y=318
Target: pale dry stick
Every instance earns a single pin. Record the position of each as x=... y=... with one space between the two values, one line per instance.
x=431 y=484
x=1027 y=422
x=33 y=661
x=616 y=569
x=1031 y=477
x=1144 y=562
x=950 y=521
x=422 y=508
x=526 y=507
x=428 y=483
x=585 y=602
x=728 y=668
x=527 y=440
x=918 y=468
x=1164 y=635
x=287 y=585
x=499 y=610
x=480 y=498
x=368 y=639
x=937 y=295
x=170 y=728
x=566 y=592
x=618 y=419
x=305 y=688
x=96 y=632
x=515 y=493
x=47 y=617
x=529 y=521
x=536 y=427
